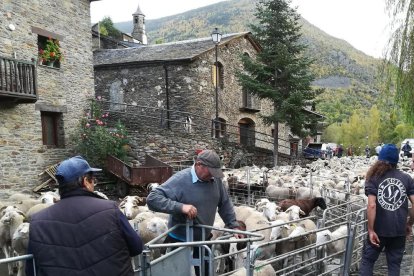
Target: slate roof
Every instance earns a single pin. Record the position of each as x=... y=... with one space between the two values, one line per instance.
x=186 y=50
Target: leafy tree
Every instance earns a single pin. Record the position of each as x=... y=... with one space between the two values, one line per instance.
x=401 y=53
x=103 y=30
x=403 y=131
x=280 y=72
x=354 y=130
x=388 y=129
x=333 y=133
x=107 y=24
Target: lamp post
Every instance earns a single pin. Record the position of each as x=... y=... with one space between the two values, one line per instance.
x=216 y=36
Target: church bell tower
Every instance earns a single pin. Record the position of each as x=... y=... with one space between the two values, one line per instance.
x=138 y=32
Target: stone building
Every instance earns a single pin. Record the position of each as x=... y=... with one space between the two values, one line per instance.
x=41 y=105
x=166 y=96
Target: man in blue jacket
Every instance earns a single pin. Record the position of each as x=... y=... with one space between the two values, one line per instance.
x=82 y=234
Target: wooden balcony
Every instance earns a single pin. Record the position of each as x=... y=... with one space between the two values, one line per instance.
x=250 y=103
x=17 y=81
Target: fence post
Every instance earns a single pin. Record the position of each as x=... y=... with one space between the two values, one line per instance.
x=145 y=261
x=349 y=248
x=248 y=265
x=311 y=183
x=248 y=185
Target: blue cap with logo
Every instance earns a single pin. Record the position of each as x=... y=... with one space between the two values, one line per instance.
x=389 y=154
x=70 y=169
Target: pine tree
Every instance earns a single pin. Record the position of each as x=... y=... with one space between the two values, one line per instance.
x=280 y=72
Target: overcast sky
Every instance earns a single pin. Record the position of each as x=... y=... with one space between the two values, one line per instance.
x=363 y=23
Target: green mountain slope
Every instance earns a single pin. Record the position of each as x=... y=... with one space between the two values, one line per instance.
x=347 y=74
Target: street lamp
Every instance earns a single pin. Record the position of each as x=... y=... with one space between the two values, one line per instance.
x=216 y=36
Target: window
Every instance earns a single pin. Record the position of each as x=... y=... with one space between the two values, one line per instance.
x=220 y=70
x=52 y=129
x=47 y=45
x=218 y=128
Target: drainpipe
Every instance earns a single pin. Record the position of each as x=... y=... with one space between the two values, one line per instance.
x=167 y=95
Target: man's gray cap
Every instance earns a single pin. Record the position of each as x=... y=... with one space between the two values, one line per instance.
x=212 y=161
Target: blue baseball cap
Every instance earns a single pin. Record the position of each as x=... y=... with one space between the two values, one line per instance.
x=70 y=169
x=389 y=154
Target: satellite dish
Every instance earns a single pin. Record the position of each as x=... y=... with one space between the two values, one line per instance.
x=12 y=27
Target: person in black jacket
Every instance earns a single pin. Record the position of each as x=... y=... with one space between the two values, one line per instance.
x=407 y=149
x=389 y=218
x=82 y=234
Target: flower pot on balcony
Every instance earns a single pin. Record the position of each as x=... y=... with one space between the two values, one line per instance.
x=51 y=63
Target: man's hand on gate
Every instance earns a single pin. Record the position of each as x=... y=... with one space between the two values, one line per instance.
x=189 y=210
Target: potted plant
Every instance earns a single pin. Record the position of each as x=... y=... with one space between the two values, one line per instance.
x=51 y=52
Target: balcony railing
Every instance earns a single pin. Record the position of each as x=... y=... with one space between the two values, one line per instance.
x=17 y=81
x=250 y=103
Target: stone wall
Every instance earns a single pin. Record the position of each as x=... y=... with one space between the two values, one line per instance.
x=190 y=93
x=66 y=89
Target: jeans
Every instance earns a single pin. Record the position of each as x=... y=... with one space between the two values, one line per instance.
x=394 y=250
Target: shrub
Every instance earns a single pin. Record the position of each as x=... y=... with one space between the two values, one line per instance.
x=95 y=139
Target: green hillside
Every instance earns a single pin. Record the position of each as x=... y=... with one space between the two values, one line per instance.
x=348 y=75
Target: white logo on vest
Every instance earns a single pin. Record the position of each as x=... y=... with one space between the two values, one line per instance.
x=391 y=194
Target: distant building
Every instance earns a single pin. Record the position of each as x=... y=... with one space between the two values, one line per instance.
x=136 y=39
x=40 y=104
x=159 y=86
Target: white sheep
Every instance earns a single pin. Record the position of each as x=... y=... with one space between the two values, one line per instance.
x=129 y=206
x=257 y=221
x=291 y=213
x=307 y=193
x=26 y=204
x=277 y=193
x=150 y=226
x=282 y=230
x=152 y=186
x=16 y=197
x=9 y=222
x=20 y=241
x=37 y=208
x=266 y=270
x=269 y=209
x=301 y=240
x=49 y=197
x=337 y=246
x=243 y=212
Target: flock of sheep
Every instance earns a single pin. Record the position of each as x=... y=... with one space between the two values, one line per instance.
x=283 y=206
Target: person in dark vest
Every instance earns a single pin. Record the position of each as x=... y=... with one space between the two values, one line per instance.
x=388 y=191
x=82 y=234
